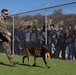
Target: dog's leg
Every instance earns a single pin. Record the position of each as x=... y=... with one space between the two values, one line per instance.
x=23 y=58
x=44 y=60
x=28 y=57
x=34 y=61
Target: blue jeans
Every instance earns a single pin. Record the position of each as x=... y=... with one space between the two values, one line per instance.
x=71 y=50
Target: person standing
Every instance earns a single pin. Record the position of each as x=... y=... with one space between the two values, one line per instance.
x=27 y=36
x=75 y=40
x=53 y=40
x=21 y=39
x=4 y=36
x=33 y=36
x=71 y=42
x=62 y=41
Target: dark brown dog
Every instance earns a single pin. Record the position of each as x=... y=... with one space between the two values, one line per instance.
x=36 y=51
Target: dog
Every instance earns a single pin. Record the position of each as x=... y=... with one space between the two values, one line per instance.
x=36 y=52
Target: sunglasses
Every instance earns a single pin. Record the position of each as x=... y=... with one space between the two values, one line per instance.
x=6 y=13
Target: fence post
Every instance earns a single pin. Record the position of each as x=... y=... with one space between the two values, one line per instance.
x=45 y=26
x=13 y=37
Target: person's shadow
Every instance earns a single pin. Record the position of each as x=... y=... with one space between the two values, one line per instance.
x=31 y=66
x=1 y=63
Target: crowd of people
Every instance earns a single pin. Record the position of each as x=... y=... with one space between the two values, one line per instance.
x=60 y=41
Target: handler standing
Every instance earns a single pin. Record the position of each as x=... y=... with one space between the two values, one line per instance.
x=4 y=36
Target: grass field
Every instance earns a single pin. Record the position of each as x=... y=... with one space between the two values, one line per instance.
x=57 y=67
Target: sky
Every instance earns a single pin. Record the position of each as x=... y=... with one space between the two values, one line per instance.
x=19 y=6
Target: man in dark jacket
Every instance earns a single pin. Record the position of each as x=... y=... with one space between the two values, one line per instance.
x=62 y=41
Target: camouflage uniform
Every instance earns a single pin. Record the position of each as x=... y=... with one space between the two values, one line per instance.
x=5 y=41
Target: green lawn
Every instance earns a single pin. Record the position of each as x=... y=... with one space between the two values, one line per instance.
x=58 y=67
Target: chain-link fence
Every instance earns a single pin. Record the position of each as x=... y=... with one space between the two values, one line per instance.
x=28 y=27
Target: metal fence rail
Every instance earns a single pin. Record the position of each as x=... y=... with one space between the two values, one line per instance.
x=44 y=8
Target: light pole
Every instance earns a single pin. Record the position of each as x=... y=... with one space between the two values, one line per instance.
x=13 y=32
x=13 y=36
x=46 y=23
